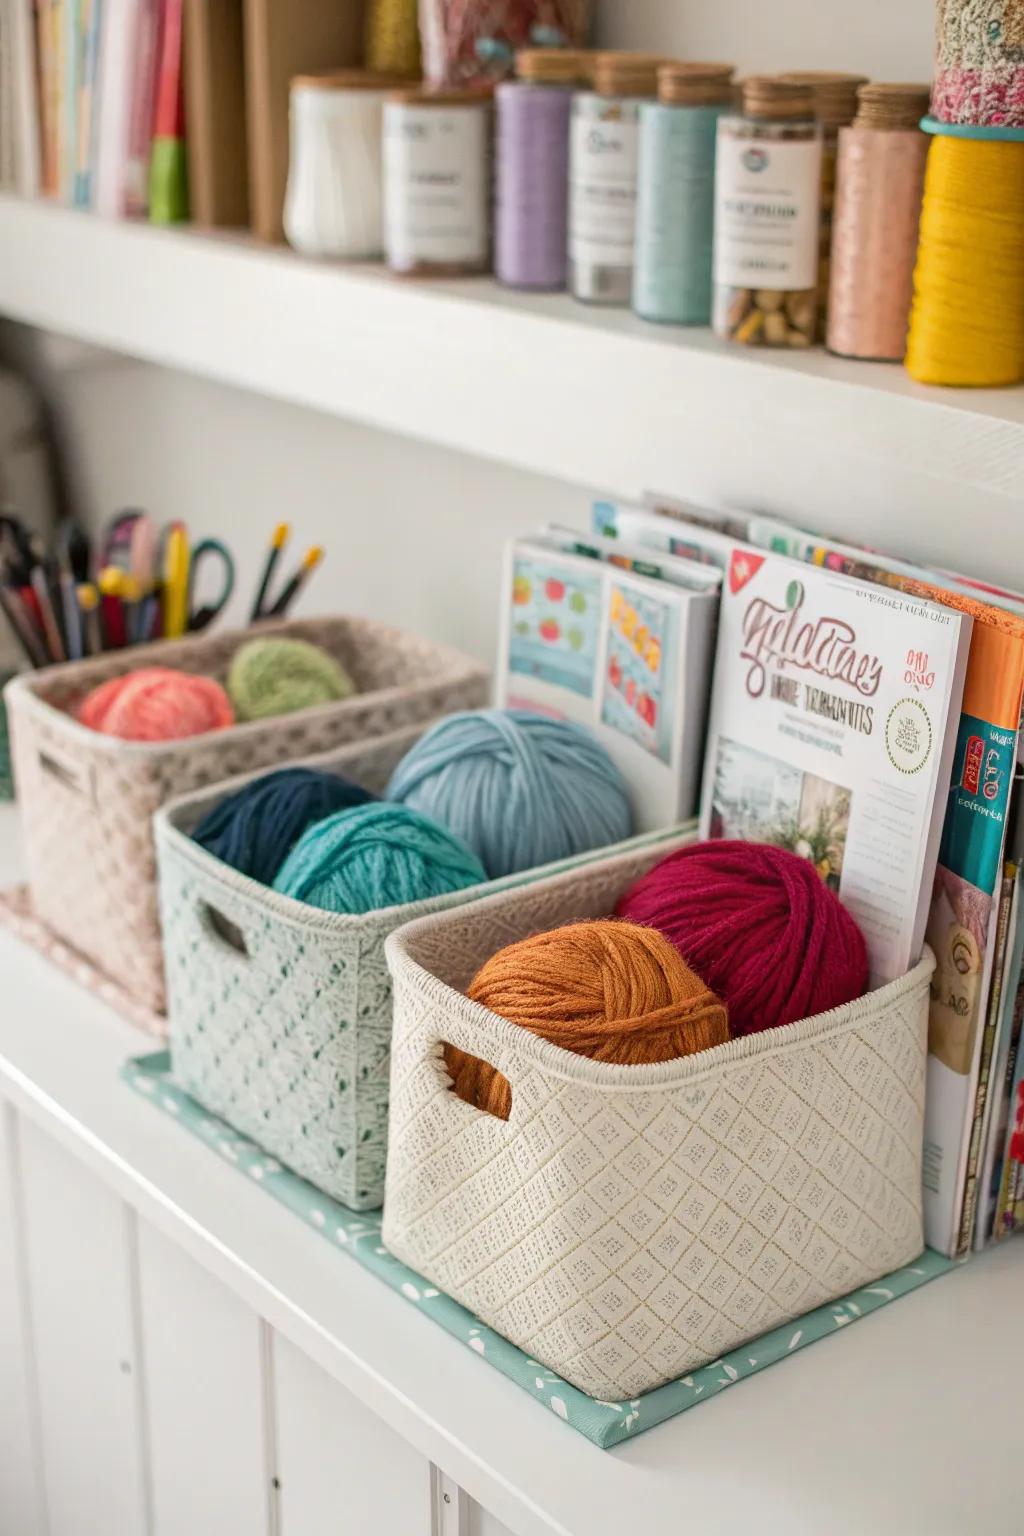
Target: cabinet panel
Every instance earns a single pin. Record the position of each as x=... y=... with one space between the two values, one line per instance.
x=481 y=1523
x=19 y=1487
x=342 y=1471
x=203 y=1391
x=79 y=1263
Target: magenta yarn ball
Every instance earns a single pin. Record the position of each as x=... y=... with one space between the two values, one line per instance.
x=760 y=928
x=156 y=704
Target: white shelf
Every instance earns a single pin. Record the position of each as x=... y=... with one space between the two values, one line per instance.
x=591 y=396
x=907 y=1421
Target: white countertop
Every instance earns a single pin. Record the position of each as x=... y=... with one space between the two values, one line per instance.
x=906 y=1422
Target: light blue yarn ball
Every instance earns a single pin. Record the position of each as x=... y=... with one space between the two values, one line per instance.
x=518 y=788
x=374 y=856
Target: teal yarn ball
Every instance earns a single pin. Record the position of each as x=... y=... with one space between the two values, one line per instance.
x=276 y=676
x=374 y=856
x=518 y=788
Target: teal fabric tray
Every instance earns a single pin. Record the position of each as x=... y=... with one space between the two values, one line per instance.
x=359 y=1235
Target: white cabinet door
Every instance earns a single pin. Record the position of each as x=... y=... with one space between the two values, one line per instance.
x=203 y=1388
x=342 y=1471
x=481 y=1523
x=19 y=1486
x=79 y=1262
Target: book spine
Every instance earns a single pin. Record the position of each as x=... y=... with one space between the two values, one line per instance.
x=84 y=142
x=140 y=122
x=970 y=1194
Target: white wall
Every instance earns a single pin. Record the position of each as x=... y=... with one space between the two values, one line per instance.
x=388 y=509
x=888 y=39
x=413 y=533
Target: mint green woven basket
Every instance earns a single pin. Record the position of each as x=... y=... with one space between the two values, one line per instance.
x=279 y=1013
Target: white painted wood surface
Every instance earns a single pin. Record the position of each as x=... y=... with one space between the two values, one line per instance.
x=78 y=1258
x=341 y=1470
x=588 y=395
x=203 y=1396
x=845 y=1438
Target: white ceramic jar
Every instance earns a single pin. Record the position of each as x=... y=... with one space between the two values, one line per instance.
x=334 y=199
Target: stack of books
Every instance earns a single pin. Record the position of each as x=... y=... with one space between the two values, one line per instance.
x=866 y=713
x=161 y=109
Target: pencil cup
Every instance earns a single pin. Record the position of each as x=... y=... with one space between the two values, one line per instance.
x=87 y=799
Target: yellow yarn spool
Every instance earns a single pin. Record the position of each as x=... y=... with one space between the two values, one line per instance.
x=392 y=37
x=967 y=320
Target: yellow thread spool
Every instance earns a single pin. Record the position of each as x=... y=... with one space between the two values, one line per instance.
x=392 y=37
x=967 y=320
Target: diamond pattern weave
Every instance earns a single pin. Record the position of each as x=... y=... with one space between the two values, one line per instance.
x=87 y=800
x=628 y=1225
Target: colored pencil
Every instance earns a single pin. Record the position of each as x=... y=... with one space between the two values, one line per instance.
x=278 y=541
x=310 y=560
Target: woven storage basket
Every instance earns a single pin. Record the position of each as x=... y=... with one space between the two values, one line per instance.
x=87 y=799
x=279 y=1012
x=628 y=1225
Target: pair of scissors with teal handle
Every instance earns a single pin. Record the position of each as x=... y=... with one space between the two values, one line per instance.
x=208 y=553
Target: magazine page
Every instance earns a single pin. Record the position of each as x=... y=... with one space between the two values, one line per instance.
x=833 y=711
x=627 y=656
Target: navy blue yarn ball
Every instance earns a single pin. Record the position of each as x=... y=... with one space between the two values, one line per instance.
x=255 y=829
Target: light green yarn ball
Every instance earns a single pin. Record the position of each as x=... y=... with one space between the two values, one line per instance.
x=277 y=676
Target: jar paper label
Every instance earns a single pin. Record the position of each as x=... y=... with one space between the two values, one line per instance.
x=602 y=194
x=766 y=212
x=436 y=185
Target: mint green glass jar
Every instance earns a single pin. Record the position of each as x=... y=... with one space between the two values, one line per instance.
x=676 y=193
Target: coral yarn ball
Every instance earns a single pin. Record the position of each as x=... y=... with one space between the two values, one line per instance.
x=759 y=925
x=156 y=704
x=612 y=991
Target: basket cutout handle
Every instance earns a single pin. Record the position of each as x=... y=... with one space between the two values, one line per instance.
x=476 y=1082
x=68 y=773
x=223 y=930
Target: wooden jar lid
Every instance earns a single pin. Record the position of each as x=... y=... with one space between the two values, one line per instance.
x=695 y=85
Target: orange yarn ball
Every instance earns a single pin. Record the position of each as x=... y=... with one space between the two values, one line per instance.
x=610 y=990
x=156 y=704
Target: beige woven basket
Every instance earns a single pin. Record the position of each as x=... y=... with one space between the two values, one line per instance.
x=628 y=1225
x=87 y=800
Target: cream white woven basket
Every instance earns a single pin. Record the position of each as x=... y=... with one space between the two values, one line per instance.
x=87 y=800
x=628 y=1225
x=280 y=1013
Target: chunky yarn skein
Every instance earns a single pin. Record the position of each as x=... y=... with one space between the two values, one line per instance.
x=374 y=856
x=520 y=789
x=759 y=925
x=156 y=704
x=612 y=991
x=277 y=675
x=256 y=828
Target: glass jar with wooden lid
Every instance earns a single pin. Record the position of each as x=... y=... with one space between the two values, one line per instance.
x=333 y=200
x=767 y=206
x=532 y=166
x=603 y=152
x=437 y=182
x=676 y=192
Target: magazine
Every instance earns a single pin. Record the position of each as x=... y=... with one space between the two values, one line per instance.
x=633 y=556
x=656 y=530
x=963 y=926
x=833 y=724
x=625 y=654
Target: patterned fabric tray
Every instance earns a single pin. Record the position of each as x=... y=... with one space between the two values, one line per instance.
x=359 y=1234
